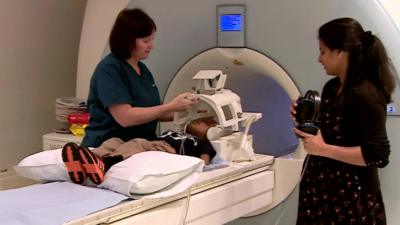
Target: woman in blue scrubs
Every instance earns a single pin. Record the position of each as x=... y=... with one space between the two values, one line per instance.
x=124 y=101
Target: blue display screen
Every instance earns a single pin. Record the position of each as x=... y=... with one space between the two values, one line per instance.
x=231 y=22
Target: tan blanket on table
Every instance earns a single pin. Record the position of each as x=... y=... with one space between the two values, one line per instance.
x=116 y=146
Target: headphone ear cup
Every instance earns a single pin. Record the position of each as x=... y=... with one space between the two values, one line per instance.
x=310 y=128
x=305 y=110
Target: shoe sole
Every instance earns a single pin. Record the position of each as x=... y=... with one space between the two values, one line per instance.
x=92 y=164
x=71 y=159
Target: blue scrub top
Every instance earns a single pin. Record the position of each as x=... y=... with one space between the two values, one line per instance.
x=115 y=82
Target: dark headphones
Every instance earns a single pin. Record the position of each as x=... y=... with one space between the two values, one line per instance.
x=307 y=112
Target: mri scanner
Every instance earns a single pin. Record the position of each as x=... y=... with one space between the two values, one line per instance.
x=270 y=58
x=268 y=50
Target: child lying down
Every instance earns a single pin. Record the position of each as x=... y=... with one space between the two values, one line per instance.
x=82 y=162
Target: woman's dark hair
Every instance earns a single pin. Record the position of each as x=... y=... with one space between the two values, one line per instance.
x=367 y=55
x=129 y=25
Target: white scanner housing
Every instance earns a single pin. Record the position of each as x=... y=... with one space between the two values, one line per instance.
x=224 y=106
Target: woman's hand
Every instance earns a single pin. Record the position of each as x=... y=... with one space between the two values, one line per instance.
x=183 y=101
x=313 y=144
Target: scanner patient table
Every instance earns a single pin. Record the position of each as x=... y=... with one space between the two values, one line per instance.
x=217 y=197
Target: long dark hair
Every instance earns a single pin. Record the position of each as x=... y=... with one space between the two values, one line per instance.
x=367 y=55
x=129 y=25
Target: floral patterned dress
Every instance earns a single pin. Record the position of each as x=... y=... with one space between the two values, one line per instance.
x=334 y=192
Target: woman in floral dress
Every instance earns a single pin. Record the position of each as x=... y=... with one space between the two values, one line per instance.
x=340 y=183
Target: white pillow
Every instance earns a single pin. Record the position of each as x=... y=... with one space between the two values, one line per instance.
x=142 y=173
x=148 y=172
x=43 y=166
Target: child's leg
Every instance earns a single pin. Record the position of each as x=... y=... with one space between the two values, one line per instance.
x=109 y=161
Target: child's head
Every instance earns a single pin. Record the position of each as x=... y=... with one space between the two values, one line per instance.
x=199 y=127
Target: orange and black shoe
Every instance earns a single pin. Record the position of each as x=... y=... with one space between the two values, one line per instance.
x=92 y=164
x=71 y=158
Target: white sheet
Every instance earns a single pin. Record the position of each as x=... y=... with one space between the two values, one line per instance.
x=53 y=203
x=42 y=206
